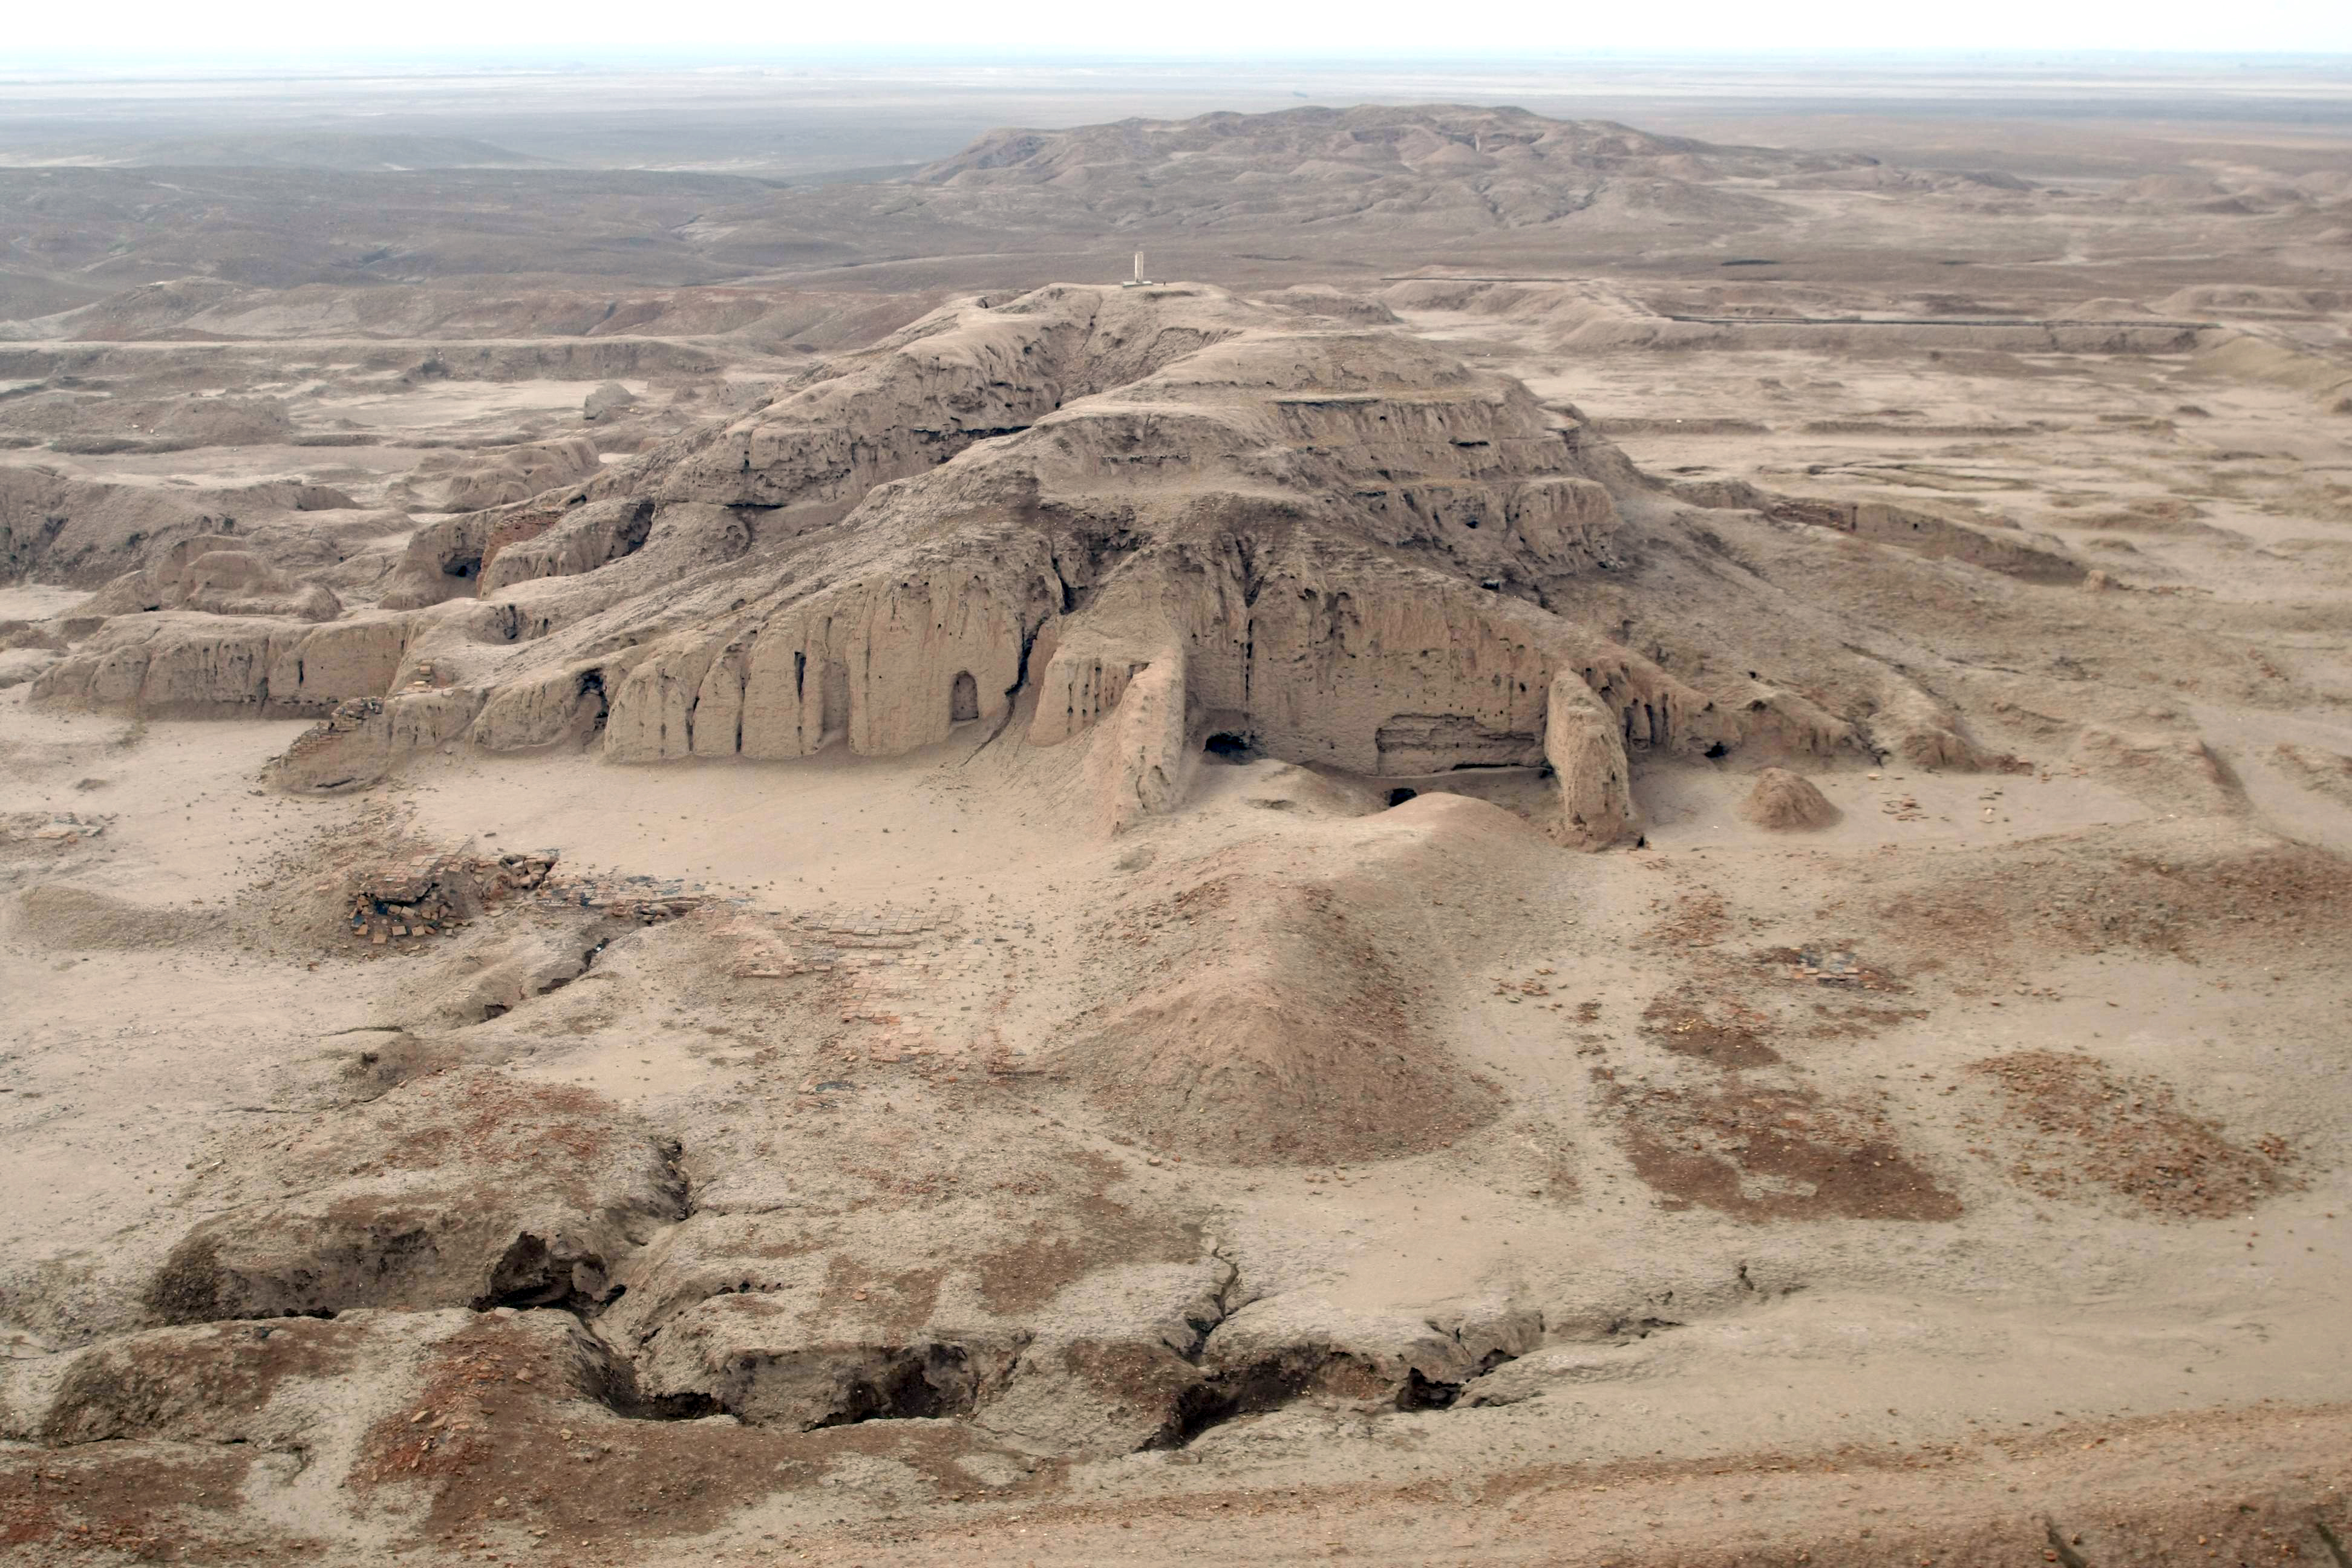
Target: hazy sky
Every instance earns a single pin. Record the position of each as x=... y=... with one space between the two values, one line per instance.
x=160 y=32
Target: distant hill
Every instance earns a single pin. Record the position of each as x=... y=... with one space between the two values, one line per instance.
x=1277 y=197
x=1484 y=167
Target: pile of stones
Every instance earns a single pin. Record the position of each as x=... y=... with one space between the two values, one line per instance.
x=436 y=895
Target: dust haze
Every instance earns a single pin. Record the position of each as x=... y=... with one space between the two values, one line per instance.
x=871 y=814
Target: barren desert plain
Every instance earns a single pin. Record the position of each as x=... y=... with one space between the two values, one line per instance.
x=1619 y=838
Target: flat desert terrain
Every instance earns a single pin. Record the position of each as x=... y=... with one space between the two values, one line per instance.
x=1622 y=835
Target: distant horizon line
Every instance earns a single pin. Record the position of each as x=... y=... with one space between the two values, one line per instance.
x=635 y=59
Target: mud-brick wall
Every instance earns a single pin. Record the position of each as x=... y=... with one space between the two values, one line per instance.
x=1371 y=678
x=170 y=664
x=876 y=664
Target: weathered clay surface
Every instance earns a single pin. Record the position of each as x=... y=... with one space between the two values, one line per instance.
x=219 y=574
x=439 y=1193
x=473 y=480
x=1331 y=541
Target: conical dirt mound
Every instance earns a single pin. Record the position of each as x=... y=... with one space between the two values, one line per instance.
x=1784 y=802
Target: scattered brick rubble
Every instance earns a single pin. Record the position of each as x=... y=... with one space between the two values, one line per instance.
x=60 y=829
x=818 y=942
x=432 y=895
x=1828 y=966
x=437 y=895
x=342 y=720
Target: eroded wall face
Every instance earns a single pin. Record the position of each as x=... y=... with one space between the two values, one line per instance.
x=1369 y=681
x=876 y=667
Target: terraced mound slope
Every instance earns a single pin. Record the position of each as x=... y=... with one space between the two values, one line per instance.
x=1130 y=519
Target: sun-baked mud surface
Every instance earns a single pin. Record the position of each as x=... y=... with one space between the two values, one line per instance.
x=1621 y=845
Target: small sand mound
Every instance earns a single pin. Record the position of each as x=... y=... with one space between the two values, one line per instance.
x=1783 y=801
x=1277 y=1017
x=608 y=398
x=77 y=920
x=1286 y=786
x=1299 y=1052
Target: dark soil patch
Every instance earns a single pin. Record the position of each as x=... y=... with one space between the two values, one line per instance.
x=1723 y=1031
x=513 y=1446
x=888 y=1303
x=172 y=1386
x=1132 y=1375
x=1100 y=1231
x=2329 y=773
x=145 y=1502
x=516 y=529
x=1772 y=1153
x=2198 y=904
x=479 y=1124
x=2083 y=1126
x=1689 y=919
x=1858 y=1020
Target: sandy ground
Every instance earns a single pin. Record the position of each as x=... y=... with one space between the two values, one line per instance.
x=1965 y=1181
x=1907 y=1376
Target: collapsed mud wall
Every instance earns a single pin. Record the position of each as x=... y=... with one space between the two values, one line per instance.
x=2011 y=551
x=83 y=533
x=181 y=663
x=878 y=666
x=1347 y=665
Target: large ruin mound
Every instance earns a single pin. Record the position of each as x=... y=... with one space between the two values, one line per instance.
x=1155 y=513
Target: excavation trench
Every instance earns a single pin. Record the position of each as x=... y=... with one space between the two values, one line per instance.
x=824 y=1385
x=929 y=1376
x=406 y=1261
